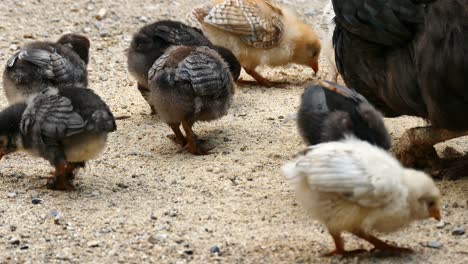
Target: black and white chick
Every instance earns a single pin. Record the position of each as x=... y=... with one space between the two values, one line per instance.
x=65 y=126
x=151 y=41
x=329 y=112
x=41 y=64
x=190 y=84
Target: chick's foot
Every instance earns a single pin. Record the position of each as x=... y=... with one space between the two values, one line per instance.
x=382 y=245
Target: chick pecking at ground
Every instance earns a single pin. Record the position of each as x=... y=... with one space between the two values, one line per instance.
x=40 y=64
x=259 y=32
x=66 y=126
x=150 y=42
x=353 y=186
x=190 y=84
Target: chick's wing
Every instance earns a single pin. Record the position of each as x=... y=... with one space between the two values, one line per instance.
x=51 y=116
x=53 y=65
x=207 y=75
x=340 y=171
x=258 y=26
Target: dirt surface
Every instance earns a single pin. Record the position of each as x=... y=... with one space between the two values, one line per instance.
x=142 y=201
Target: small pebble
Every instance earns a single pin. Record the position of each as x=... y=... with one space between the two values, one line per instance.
x=441 y=224
x=101 y=14
x=215 y=250
x=24 y=247
x=433 y=244
x=37 y=200
x=158 y=239
x=11 y=195
x=14 y=241
x=93 y=244
x=458 y=231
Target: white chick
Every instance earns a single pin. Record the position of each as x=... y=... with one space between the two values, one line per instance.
x=353 y=186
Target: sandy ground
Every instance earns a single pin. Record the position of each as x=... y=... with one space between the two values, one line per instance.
x=142 y=201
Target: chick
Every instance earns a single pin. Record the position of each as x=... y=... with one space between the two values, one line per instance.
x=356 y=187
x=329 y=112
x=150 y=42
x=41 y=64
x=190 y=84
x=259 y=33
x=65 y=126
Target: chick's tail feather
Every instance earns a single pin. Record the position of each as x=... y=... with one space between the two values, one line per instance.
x=290 y=172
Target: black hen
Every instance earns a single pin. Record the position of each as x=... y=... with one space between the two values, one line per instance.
x=407 y=58
x=329 y=112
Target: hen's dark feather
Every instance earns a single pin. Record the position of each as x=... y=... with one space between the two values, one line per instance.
x=406 y=57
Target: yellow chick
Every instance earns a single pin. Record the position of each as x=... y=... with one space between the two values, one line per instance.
x=353 y=186
x=259 y=32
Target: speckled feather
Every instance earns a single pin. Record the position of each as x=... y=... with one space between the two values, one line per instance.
x=245 y=18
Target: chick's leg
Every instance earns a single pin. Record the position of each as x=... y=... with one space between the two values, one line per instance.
x=416 y=147
x=193 y=145
x=178 y=136
x=60 y=180
x=381 y=245
x=339 y=247
x=260 y=79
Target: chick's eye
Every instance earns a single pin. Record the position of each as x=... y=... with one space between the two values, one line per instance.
x=431 y=204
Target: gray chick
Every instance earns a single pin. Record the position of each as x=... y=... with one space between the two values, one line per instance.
x=329 y=112
x=190 y=84
x=41 y=64
x=151 y=41
x=65 y=126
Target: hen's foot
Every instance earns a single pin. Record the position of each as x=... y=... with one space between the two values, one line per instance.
x=416 y=146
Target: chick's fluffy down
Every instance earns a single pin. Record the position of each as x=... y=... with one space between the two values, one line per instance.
x=352 y=185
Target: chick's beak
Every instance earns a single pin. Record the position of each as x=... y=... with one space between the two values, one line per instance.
x=435 y=213
x=315 y=66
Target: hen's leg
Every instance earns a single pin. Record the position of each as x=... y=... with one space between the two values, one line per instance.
x=60 y=180
x=145 y=93
x=192 y=143
x=381 y=245
x=178 y=136
x=339 y=247
x=416 y=146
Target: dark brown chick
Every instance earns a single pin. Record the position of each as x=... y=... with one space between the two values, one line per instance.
x=150 y=42
x=190 y=84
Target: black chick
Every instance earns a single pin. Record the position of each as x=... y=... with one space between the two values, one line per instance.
x=329 y=112
x=66 y=126
x=150 y=42
x=41 y=64
x=190 y=84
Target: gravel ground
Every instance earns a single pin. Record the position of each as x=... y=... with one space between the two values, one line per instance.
x=142 y=201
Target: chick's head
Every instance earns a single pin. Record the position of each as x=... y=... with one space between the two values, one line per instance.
x=78 y=43
x=307 y=47
x=424 y=196
x=10 y=135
